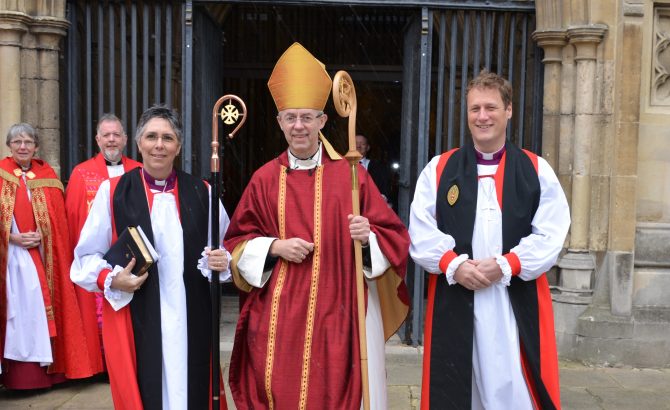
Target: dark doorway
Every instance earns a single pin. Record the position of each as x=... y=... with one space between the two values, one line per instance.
x=236 y=47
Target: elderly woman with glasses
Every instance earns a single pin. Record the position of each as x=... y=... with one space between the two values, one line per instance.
x=41 y=333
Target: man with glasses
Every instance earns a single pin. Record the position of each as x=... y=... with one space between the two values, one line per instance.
x=291 y=238
x=81 y=189
x=41 y=335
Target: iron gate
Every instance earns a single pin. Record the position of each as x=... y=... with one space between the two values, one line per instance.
x=444 y=49
x=122 y=57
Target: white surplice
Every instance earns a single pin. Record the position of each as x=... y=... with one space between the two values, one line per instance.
x=498 y=381
x=27 y=332
x=95 y=240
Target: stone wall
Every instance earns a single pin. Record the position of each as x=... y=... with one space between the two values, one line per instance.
x=608 y=64
x=30 y=34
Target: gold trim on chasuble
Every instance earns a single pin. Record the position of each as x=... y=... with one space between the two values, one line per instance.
x=45 y=183
x=41 y=212
x=7 y=203
x=272 y=331
x=7 y=195
x=239 y=281
x=276 y=295
x=313 y=290
x=8 y=177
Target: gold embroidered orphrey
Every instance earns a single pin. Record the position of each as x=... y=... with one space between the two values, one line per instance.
x=452 y=195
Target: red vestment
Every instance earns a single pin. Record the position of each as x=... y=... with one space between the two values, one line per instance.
x=79 y=194
x=48 y=215
x=297 y=337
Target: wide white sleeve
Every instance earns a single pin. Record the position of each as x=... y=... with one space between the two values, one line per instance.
x=538 y=251
x=428 y=244
x=94 y=241
x=252 y=261
x=378 y=260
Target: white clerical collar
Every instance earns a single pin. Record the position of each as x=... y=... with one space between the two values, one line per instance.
x=365 y=162
x=111 y=163
x=306 y=163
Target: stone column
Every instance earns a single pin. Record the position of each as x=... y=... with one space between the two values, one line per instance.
x=48 y=31
x=577 y=265
x=12 y=27
x=552 y=41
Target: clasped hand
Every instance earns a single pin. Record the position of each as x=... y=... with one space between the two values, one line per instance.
x=478 y=274
x=26 y=240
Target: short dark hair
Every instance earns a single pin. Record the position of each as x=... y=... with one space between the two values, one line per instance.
x=159 y=111
x=22 y=128
x=108 y=116
x=488 y=80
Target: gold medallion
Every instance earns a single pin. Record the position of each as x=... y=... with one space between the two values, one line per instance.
x=452 y=195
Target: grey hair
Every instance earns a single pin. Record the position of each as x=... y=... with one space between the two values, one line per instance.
x=22 y=128
x=108 y=116
x=159 y=111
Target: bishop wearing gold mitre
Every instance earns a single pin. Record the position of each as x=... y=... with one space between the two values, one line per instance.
x=291 y=237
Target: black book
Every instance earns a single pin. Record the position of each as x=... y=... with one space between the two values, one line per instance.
x=132 y=243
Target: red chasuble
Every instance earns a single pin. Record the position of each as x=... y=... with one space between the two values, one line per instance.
x=46 y=212
x=81 y=189
x=296 y=342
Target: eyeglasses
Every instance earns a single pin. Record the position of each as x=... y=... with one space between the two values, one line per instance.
x=18 y=143
x=306 y=119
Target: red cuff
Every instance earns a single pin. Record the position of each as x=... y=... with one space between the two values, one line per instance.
x=446 y=260
x=514 y=263
x=102 y=276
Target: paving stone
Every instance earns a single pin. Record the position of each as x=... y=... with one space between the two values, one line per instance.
x=399 y=398
x=582 y=387
x=613 y=398
x=578 y=377
x=641 y=379
x=578 y=398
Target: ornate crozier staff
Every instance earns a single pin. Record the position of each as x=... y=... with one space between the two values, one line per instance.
x=344 y=97
x=230 y=115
